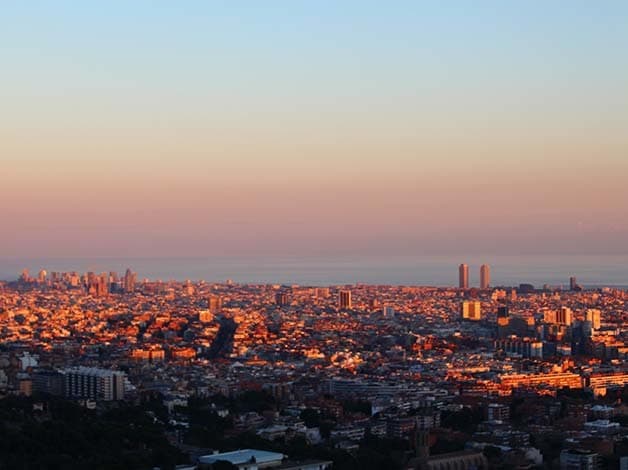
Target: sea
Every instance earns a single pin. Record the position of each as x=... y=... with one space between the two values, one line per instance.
x=538 y=270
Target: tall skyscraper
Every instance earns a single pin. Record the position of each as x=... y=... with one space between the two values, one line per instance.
x=129 y=281
x=102 y=285
x=463 y=276
x=485 y=276
x=573 y=284
x=345 y=299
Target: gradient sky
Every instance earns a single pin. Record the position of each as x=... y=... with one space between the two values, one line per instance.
x=164 y=128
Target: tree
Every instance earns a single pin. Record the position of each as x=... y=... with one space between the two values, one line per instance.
x=311 y=417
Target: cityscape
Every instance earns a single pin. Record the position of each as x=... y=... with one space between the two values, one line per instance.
x=314 y=235
x=346 y=376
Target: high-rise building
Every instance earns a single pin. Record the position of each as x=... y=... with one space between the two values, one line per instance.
x=129 y=281
x=471 y=310
x=564 y=316
x=345 y=299
x=102 y=285
x=573 y=283
x=97 y=285
x=595 y=317
x=485 y=276
x=75 y=280
x=463 y=276
x=282 y=299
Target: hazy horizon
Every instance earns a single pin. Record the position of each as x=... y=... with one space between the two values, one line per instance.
x=400 y=270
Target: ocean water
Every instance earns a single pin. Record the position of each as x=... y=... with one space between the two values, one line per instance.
x=395 y=270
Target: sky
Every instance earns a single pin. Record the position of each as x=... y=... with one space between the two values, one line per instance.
x=195 y=128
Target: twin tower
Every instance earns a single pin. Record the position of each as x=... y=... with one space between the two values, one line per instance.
x=463 y=276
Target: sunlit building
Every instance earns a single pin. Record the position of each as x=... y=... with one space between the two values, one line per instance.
x=463 y=276
x=345 y=299
x=471 y=310
x=594 y=316
x=485 y=276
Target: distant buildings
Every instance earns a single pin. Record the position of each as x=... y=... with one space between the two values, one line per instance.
x=282 y=299
x=345 y=299
x=322 y=292
x=485 y=276
x=98 y=285
x=165 y=336
x=130 y=279
x=463 y=276
x=214 y=303
x=594 y=316
x=521 y=347
x=573 y=284
x=563 y=316
x=471 y=310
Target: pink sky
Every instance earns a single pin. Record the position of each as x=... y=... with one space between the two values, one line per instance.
x=206 y=130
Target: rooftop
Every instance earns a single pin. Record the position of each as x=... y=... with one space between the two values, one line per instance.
x=237 y=457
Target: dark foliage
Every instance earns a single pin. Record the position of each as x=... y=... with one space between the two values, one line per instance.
x=66 y=436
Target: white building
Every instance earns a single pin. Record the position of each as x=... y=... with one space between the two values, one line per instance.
x=246 y=459
x=94 y=383
x=252 y=459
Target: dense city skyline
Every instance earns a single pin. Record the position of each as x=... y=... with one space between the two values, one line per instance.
x=313 y=129
x=435 y=271
x=368 y=377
